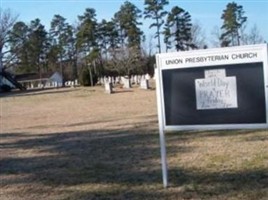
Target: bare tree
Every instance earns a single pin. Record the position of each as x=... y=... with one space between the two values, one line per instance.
x=246 y=38
x=253 y=37
x=7 y=20
x=216 y=36
x=148 y=45
x=125 y=60
x=198 y=35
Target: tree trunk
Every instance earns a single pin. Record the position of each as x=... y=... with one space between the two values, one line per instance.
x=90 y=74
x=158 y=36
x=61 y=69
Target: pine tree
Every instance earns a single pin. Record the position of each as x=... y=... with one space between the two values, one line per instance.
x=37 y=45
x=61 y=34
x=179 y=21
x=87 y=31
x=18 y=42
x=167 y=37
x=155 y=10
x=233 y=20
x=29 y=44
x=127 y=21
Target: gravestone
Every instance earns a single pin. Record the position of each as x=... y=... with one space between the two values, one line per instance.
x=75 y=82
x=117 y=80
x=72 y=84
x=132 y=80
x=108 y=87
x=110 y=79
x=139 y=77
x=144 y=84
x=126 y=83
x=135 y=79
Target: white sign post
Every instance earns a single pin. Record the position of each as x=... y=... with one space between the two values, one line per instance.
x=225 y=88
x=161 y=128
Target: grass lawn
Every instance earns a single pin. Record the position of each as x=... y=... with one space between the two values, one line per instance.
x=80 y=143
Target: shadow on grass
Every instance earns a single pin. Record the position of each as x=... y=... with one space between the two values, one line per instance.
x=128 y=158
x=86 y=157
x=149 y=119
x=38 y=91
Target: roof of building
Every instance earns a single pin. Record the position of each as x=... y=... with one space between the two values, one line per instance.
x=33 y=76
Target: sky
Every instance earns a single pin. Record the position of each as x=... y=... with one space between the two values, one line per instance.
x=206 y=12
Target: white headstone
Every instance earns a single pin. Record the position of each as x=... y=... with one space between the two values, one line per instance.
x=144 y=84
x=126 y=83
x=117 y=79
x=108 y=87
x=132 y=80
x=136 y=79
x=110 y=79
x=72 y=83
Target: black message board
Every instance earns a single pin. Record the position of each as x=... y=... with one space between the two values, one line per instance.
x=217 y=88
x=180 y=96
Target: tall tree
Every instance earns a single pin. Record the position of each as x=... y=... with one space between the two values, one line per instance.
x=7 y=20
x=130 y=36
x=179 y=21
x=233 y=21
x=60 y=32
x=18 y=42
x=167 y=37
x=72 y=50
x=107 y=37
x=29 y=45
x=127 y=19
x=37 y=45
x=87 y=31
x=87 y=36
x=155 y=10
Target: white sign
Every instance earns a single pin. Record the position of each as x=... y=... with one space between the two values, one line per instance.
x=216 y=91
x=187 y=102
x=215 y=73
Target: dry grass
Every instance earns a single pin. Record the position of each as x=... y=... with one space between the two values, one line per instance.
x=80 y=143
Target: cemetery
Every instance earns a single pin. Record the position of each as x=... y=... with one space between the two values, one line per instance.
x=81 y=143
x=133 y=100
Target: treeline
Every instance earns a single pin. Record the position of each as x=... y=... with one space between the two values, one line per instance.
x=114 y=47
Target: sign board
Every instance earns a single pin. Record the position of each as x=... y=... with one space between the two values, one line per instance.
x=225 y=88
